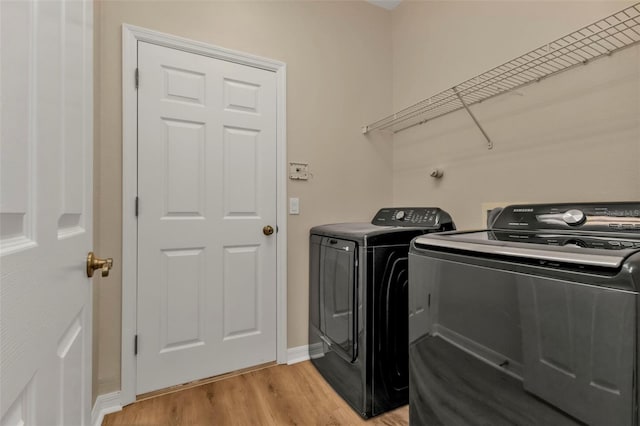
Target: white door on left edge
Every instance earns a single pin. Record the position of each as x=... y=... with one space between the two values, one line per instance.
x=46 y=158
x=207 y=188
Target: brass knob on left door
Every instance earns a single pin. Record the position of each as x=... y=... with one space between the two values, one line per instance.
x=267 y=230
x=94 y=263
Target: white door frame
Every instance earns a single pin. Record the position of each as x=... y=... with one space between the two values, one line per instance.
x=131 y=35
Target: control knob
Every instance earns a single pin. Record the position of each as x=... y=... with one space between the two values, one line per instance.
x=574 y=217
x=399 y=215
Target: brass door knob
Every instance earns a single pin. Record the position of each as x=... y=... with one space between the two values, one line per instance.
x=94 y=263
x=267 y=230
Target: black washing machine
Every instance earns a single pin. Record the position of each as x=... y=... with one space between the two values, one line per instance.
x=358 y=304
x=534 y=321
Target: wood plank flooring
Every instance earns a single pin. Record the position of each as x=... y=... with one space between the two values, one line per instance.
x=279 y=395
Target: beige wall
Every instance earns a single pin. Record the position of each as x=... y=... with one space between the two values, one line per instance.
x=573 y=137
x=338 y=77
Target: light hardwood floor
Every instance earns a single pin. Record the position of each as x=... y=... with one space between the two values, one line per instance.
x=279 y=395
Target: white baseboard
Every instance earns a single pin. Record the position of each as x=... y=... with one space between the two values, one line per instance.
x=105 y=404
x=297 y=354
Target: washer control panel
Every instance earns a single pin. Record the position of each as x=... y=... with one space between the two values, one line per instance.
x=600 y=217
x=426 y=217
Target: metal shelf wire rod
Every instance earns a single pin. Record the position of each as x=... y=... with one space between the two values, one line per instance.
x=602 y=38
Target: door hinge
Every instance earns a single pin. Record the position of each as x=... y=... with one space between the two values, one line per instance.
x=137 y=205
x=137 y=78
x=135 y=345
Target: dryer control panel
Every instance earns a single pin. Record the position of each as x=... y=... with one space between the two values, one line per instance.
x=423 y=217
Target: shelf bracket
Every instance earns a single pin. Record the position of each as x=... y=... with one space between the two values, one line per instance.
x=473 y=117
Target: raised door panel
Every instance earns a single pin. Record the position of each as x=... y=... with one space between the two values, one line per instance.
x=17 y=136
x=184 y=85
x=241 y=172
x=241 y=292
x=182 y=320
x=241 y=96
x=184 y=169
x=73 y=123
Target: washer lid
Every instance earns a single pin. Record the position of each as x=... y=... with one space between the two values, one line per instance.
x=486 y=243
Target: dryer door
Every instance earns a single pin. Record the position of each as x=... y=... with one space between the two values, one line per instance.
x=338 y=281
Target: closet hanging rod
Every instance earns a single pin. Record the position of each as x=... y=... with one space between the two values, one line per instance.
x=599 y=39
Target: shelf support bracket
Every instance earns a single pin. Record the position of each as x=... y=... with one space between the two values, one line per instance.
x=473 y=117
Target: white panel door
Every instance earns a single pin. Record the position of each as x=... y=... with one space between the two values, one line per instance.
x=46 y=159
x=207 y=187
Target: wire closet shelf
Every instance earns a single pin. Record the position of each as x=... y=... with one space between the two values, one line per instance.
x=602 y=38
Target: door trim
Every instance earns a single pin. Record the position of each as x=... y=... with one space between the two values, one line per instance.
x=131 y=35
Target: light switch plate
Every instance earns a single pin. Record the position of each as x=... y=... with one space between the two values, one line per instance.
x=294 y=205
